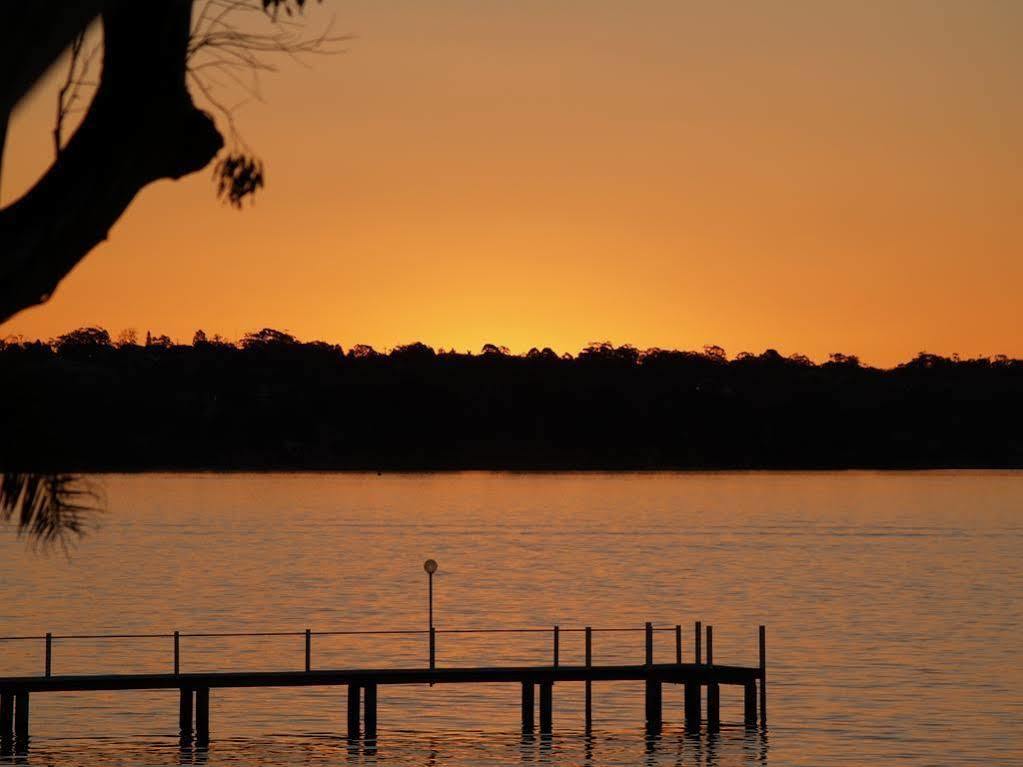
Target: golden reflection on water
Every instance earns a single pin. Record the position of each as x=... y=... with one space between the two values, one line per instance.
x=892 y=602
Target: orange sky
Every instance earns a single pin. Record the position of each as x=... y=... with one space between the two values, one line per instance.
x=814 y=177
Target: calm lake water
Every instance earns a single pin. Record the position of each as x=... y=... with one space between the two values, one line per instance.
x=894 y=606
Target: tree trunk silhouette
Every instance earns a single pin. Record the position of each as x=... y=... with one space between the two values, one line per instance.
x=142 y=126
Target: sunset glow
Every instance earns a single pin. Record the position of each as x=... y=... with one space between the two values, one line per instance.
x=801 y=176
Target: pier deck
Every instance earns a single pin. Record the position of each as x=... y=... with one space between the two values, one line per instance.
x=362 y=683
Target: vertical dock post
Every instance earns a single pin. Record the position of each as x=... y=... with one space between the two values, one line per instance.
x=49 y=654
x=308 y=650
x=557 y=644
x=692 y=688
x=202 y=716
x=589 y=682
x=749 y=704
x=546 y=708
x=353 y=712
x=433 y=648
x=21 y=720
x=692 y=706
x=177 y=653
x=185 y=714
x=6 y=720
x=678 y=644
x=763 y=677
x=653 y=687
x=528 y=708
x=370 y=703
x=713 y=689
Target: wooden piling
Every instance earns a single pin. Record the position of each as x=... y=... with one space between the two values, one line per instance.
x=713 y=689
x=185 y=713
x=763 y=677
x=528 y=707
x=202 y=715
x=370 y=704
x=692 y=706
x=6 y=716
x=589 y=683
x=546 y=708
x=654 y=700
x=353 y=712
x=21 y=704
x=749 y=704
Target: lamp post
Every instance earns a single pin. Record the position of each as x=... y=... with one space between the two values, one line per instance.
x=430 y=566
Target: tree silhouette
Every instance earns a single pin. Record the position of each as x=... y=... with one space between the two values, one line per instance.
x=141 y=126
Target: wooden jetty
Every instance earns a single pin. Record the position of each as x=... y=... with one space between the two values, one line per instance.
x=697 y=675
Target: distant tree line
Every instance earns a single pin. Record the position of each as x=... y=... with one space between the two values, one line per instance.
x=85 y=402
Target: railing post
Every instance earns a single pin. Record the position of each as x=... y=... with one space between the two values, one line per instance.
x=308 y=650
x=557 y=634
x=177 y=653
x=713 y=688
x=699 y=653
x=433 y=648
x=49 y=654
x=678 y=644
x=763 y=677
x=589 y=682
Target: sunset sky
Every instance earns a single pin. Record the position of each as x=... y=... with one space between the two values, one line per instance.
x=815 y=177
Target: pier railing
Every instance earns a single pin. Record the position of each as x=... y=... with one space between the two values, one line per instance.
x=177 y=638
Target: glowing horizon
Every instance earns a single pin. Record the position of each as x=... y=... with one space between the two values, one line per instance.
x=809 y=179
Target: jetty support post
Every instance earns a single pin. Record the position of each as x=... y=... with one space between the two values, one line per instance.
x=369 y=696
x=654 y=699
x=353 y=712
x=763 y=677
x=21 y=721
x=713 y=689
x=528 y=708
x=749 y=704
x=6 y=720
x=589 y=682
x=202 y=716
x=692 y=693
x=185 y=714
x=546 y=708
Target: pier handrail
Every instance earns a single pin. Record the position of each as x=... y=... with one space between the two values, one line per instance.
x=555 y=632
x=340 y=632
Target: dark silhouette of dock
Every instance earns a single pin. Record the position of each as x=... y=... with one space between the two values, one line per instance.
x=697 y=675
